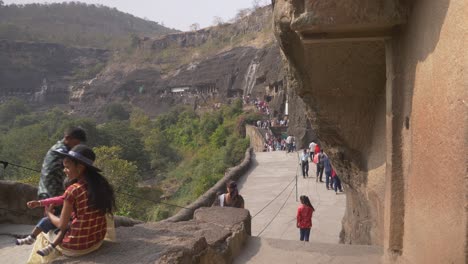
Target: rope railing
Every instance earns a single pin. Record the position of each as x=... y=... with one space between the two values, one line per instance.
x=6 y=163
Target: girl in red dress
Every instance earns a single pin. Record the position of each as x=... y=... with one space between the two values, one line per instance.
x=304 y=218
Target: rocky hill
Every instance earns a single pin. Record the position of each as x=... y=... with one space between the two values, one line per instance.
x=41 y=73
x=209 y=65
x=74 y=23
x=203 y=67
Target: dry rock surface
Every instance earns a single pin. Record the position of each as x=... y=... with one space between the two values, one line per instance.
x=215 y=235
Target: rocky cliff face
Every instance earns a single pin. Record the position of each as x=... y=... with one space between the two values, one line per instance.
x=340 y=88
x=382 y=86
x=215 y=79
x=42 y=73
x=195 y=68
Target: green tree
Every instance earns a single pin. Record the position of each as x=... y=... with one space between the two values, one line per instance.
x=140 y=121
x=116 y=111
x=11 y=109
x=162 y=154
x=119 y=133
x=218 y=138
x=122 y=174
x=25 y=146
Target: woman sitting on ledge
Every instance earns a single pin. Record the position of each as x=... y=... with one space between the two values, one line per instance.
x=85 y=205
x=230 y=199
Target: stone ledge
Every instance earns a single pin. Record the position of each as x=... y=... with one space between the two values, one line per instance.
x=207 y=198
x=215 y=235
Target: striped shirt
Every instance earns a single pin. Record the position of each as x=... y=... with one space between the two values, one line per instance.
x=88 y=226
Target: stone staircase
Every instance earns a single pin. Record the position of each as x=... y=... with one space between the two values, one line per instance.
x=266 y=250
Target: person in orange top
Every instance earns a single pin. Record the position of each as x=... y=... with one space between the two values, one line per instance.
x=304 y=218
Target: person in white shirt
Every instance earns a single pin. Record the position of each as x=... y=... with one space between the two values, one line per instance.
x=305 y=163
x=311 y=149
x=289 y=140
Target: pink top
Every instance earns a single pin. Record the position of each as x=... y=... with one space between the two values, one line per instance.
x=58 y=200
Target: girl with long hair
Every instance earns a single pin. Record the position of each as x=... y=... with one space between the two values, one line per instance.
x=304 y=218
x=82 y=224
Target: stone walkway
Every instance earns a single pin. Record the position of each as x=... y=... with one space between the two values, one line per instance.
x=279 y=241
x=266 y=251
x=9 y=252
x=270 y=174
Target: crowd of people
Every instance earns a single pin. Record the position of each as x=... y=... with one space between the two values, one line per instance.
x=265 y=124
x=323 y=164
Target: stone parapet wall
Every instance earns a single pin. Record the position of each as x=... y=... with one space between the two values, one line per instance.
x=207 y=199
x=214 y=236
x=13 y=199
x=257 y=140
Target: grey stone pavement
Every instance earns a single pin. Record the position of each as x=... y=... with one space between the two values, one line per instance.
x=9 y=252
x=278 y=241
x=270 y=174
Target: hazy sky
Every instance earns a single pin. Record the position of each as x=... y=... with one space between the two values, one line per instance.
x=178 y=14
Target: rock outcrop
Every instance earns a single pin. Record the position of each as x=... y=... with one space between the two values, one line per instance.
x=381 y=81
x=215 y=235
x=195 y=68
x=13 y=199
x=43 y=73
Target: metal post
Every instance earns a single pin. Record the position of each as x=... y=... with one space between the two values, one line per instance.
x=296 y=187
x=298 y=160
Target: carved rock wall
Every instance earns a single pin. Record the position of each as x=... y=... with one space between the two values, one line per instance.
x=342 y=89
x=384 y=85
x=429 y=59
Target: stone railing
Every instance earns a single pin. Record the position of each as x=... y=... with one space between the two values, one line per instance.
x=257 y=140
x=207 y=199
x=214 y=235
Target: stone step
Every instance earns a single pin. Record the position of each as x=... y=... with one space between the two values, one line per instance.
x=266 y=250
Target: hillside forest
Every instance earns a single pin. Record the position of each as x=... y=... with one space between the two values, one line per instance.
x=75 y=24
x=175 y=157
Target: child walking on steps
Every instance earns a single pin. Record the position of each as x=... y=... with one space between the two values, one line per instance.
x=44 y=225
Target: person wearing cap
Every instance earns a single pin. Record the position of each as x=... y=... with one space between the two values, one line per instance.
x=230 y=199
x=52 y=176
x=86 y=202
